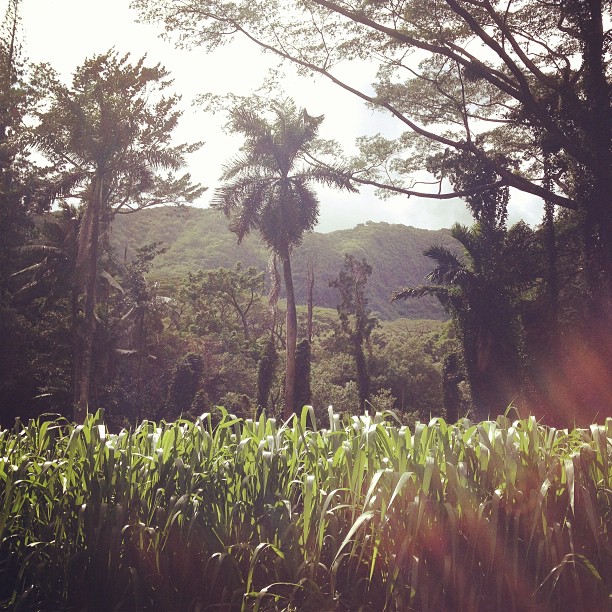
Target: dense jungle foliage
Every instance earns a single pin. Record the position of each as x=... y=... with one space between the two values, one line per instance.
x=99 y=313
x=96 y=312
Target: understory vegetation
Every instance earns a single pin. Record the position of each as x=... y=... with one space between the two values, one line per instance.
x=148 y=319
x=223 y=513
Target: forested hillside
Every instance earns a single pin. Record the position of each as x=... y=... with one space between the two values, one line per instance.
x=198 y=238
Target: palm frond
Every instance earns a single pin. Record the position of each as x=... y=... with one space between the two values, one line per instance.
x=420 y=291
x=111 y=280
x=164 y=159
x=33 y=268
x=443 y=256
x=450 y=276
x=38 y=249
x=449 y=267
x=305 y=209
x=467 y=237
x=63 y=186
x=248 y=122
x=246 y=191
x=242 y=201
x=247 y=166
x=329 y=176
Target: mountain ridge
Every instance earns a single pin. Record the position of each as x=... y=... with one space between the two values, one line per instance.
x=198 y=238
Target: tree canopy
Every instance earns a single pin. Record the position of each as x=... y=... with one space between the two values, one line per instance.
x=521 y=87
x=107 y=138
x=481 y=292
x=114 y=121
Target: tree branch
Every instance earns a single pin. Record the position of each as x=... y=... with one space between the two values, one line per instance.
x=424 y=194
x=519 y=90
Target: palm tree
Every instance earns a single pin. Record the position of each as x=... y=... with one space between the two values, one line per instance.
x=48 y=259
x=479 y=292
x=268 y=187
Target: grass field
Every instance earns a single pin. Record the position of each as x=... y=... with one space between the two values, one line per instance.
x=258 y=515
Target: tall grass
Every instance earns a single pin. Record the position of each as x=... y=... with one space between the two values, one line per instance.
x=258 y=515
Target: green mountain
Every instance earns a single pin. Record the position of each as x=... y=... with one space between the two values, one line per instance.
x=198 y=238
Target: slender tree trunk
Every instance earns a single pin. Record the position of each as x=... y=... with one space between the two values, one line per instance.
x=244 y=321
x=141 y=345
x=84 y=357
x=550 y=242
x=303 y=392
x=77 y=342
x=310 y=287
x=363 y=380
x=291 y=339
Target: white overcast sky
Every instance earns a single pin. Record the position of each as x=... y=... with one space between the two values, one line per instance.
x=65 y=32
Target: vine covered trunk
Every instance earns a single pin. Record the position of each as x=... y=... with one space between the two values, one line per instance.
x=291 y=338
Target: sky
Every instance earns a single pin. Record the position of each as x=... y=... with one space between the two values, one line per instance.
x=66 y=32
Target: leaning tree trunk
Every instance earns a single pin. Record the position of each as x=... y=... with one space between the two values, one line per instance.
x=291 y=339
x=87 y=258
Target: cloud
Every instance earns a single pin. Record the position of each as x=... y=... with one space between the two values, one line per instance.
x=343 y=210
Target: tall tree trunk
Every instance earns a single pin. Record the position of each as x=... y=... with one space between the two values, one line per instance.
x=550 y=243
x=141 y=347
x=595 y=190
x=552 y=284
x=291 y=338
x=244 y=321
x=303 y=392
x=267 y=363
x=310 y=288
x=88 y=258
